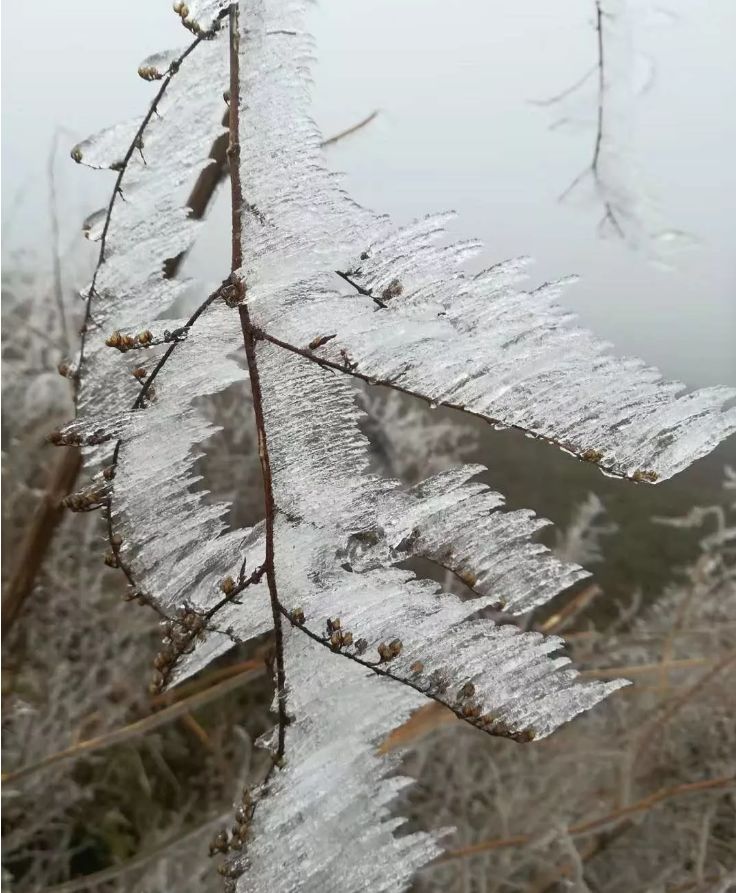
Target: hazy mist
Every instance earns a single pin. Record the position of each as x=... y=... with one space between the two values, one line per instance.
x=457 y=129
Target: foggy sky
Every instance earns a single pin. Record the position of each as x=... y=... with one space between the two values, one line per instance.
x=457 y=130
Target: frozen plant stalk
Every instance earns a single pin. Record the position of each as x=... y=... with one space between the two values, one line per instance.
x=359 y=641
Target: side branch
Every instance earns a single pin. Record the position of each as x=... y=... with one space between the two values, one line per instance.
x=349 y=366
x=464 y=710
x=117 y=190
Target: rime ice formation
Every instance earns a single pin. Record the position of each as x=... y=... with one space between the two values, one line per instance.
x=403 y=314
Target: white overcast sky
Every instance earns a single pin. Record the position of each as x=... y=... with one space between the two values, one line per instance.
x=457 y=130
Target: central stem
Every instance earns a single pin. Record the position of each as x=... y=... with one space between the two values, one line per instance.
x=249 y=340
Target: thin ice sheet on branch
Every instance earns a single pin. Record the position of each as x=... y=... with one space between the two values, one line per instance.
x=338 y=532
x=479 y=342
x=149 y=223
x=334 y=783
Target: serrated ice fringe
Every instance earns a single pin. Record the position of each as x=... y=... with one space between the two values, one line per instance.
x=334 y=784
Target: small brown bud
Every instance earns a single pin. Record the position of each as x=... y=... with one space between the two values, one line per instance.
x=336 y=641
x=111 y=560
x=467 y=691
x=297 y=616
x=116 y=540
x=333 y=625
x=392 y=290
x=76 y=154
x=470 y=710
x=395 y=645
x=140 y=373
x=145 y=337
x=227 y=585
x=320 y=340
x=417 y=667
x=384 y=652
x=347 y=639
x=361 y=646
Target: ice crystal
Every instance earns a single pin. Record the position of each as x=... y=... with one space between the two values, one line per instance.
x=361 y=640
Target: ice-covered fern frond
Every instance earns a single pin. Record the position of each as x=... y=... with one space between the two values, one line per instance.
x=322 y=292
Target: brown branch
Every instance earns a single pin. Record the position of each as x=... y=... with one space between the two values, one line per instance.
x=643 y=805
x=574 y=605
x=596 y=846
x=674 y=705
x=252 y=670
x=34 y=546
x=249 y=341
x=201 y=195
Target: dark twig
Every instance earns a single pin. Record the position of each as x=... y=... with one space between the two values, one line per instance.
x=361 y=290
x=609 y=212
x=330 y=141
x=117 y=190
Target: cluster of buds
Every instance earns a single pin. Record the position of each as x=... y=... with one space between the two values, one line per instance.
x=467 y=707
x=182 y=10
x=649 y=477
x=338 y=637
x=85 y=500
x=124 y=343
x=112 y=558
x=226 y=843
x=468 y=577
x=387 y=651
x=232 y=294
x=134 y=595
x=591 y=456
x=67 y=370
x=392 y=290
x=150 y=73
x=228 y=586
x=64 y=438
x=179 y=638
